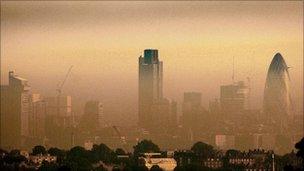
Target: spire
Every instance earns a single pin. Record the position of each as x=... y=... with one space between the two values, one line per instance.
x=233 y=70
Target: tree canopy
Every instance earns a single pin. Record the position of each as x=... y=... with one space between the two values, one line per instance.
x=145 y=146
x=203 y=150
x=103 y=153
x=39 y=149
x=120 y=151
x=300 y=147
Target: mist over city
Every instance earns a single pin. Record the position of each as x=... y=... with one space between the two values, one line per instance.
x=136 y=85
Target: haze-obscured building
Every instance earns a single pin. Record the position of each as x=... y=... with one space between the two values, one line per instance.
x=150 y=86
x=225 y=142
x=234 y=98
x=59 y=123
x=93 y=118
x=14 y=112
x=164 y=113
x=277 y=105
x=191 y=109
x=264 y=141
x=59 y=110
x=37 y=118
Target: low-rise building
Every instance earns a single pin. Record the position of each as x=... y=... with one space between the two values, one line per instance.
x=213 y=163
x=151 y=159
x=38 y=159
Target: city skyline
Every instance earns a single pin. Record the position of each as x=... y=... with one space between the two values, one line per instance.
x=151 y=85
x=197 y=47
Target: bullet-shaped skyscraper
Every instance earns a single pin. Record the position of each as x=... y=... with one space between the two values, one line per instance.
x=150 y=85
x=277 y=99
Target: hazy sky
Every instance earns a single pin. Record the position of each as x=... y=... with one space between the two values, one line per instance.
x=103 y=40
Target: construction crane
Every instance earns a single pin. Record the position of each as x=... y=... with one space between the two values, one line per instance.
x=122 y=138
x=60 y=86
x=59 y=90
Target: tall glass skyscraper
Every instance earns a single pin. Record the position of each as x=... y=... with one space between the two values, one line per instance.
x=150 y=85
x=277 y=99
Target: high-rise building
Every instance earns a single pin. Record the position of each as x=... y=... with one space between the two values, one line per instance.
x=277 y=105
x=14 y=112
x=164 y=115
x=191 y=109
x=37 y=118
x=92 y=118
x=234 y=98
x=173 y=115
x=59 y=110
x=59 y=121
x=150 y=85
x=225 y=142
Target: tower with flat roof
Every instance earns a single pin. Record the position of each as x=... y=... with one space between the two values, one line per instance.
x=15 y=109
x=150 y=85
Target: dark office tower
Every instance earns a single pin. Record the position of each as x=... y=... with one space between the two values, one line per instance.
x=150 y=85
x=14 y=112
x=277 y=100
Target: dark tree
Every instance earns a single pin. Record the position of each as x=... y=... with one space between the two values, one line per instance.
x=46 y=166
x=139 y=168
x=203 y=150
x=60 y=154
x=78 y=159
x=232 y=153
x=120 y=151
x=288 y=168
x=64 y=168
x=145 y=146
x=103 y=153
x=3 y=151
x=300 y=147
x=14 y=157
x=14 y=152
x=77 y=152
x=156 y=168
x=54 y=151
x=38 y=150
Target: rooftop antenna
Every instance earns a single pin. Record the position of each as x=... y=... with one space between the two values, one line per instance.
x=249 y=92
x=233 y=70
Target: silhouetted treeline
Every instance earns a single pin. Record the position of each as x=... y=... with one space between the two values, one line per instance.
x=100 y=157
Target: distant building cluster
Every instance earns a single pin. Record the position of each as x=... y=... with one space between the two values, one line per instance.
x=230 y=122
x=28 y=119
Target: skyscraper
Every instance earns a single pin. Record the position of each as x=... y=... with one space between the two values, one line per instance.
x=277 y=99
x=192 y=109
x=93 y=118
x=234 y=98
x=37 y=118
x=14 y=112
x=62 y=118
x=59 y=119
x=150 y=85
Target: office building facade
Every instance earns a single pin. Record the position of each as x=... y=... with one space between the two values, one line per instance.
x=150 y=86
x=15 y=109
